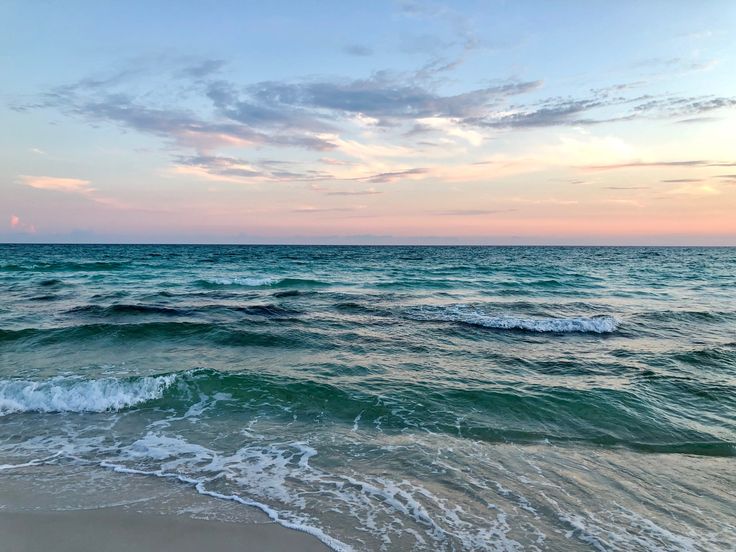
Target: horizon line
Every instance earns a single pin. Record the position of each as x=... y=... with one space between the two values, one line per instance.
x=223 y=244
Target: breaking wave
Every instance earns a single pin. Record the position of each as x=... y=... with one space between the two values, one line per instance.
x=580 y=324
x=74 y=394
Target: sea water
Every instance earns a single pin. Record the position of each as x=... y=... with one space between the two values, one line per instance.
x=388 y=398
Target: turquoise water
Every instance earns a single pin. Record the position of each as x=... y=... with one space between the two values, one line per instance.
x=390 y=398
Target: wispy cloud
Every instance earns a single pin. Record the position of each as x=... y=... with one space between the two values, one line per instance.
x=75 y=186
x=314 y=209
x=317 y=113
x=689 y=163
x=369 y=191
x=647 y=164
x=394 y=176
x=471 y=212
x=626 y=187
x=67 y=185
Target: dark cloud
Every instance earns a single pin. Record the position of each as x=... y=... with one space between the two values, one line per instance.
x=251 y=110
x=382 y=96
x=681 y=180
x=182 y=126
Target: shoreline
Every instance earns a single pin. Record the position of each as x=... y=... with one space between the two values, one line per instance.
x=86 y=508
x=117 y=530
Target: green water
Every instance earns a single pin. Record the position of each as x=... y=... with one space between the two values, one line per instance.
x=395 y=398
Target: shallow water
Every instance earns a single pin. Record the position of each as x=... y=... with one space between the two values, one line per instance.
x=396 y=398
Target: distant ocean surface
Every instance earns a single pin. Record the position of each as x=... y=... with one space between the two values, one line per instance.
x=389 y=398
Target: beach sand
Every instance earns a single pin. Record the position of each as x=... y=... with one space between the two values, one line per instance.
x=117 y=530
x=64 y=510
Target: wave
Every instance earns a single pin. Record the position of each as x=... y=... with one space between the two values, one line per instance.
x=117 y=309
x=246 y=282
x=595 y=324
x=50 y=282
x=695 y=316
x=604 y=417
x=260 y=282
x=74 y=394
x=68 y=266
x=208 y=332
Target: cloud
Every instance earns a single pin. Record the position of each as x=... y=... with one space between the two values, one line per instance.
x=213 y=112
x=695 y=163
x=235 y=169
x=73 y=186
x=358 y=50
x=644 y=164
x=369 y=191
x=204 y=68
x=626 y=187
x=681 y=180
x=18 y=225
x=102 y=100
x=603 y=107
x=189 y=130
x=675 y=64
x=332 y=161
x=701 y=190
x=694 y=120
x=394 y=175
x=67 y=185
x=471 y=212
x=554 y=113
x=383 y=95
x=313 y=209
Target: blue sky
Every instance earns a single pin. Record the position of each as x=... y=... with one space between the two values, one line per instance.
x=382 y=122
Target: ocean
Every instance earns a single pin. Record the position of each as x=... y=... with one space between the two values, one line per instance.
x=385 y=398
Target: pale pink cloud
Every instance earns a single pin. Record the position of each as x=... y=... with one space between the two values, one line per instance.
x=17 y=224
x=69 y=185
x=72 y=186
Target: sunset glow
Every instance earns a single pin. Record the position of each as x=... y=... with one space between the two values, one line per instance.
x=409 y=122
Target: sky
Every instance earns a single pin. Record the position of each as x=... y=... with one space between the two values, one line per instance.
x=382 y=122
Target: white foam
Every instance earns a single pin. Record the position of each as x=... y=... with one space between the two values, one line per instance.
x=30 y=463
x=75 y=394
x=240 y=281
x=467 y=315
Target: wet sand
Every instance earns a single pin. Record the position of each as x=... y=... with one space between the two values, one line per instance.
x=116 y=530
x=77 y=509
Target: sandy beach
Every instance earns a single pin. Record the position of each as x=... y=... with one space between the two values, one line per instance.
x=62 y=509
x=116 y=530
